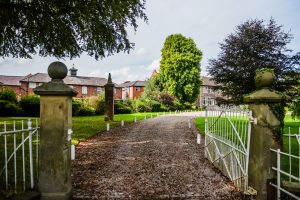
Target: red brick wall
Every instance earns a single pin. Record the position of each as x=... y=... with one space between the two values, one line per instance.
x=17 y=89
x=118 y=94
x=137 y=94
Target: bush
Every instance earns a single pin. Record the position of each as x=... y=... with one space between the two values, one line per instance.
x=31 y=105
x=142 y=106
x=86 y=111
x=81 y=107
x=9 y=95
x=166 y=99
x=9 y=109
x=122 y=108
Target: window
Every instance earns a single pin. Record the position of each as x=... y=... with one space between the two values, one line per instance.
x=32 y=85
x=98 y=90
x=84 y=90
x=138 y=89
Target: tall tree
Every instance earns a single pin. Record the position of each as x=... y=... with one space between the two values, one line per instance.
x=180 y=68
x=67 y=28
x=253 y=46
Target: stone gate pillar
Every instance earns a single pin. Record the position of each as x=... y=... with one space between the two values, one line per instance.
x=265 y=134
x=55 y=140
x=109 y=99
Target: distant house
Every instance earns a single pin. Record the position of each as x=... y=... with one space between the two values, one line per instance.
x=208 y=96
x=13 y=83
x=133 y=90
x=154 y=73
x=85 y=86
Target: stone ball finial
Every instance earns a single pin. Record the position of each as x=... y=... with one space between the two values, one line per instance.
x=57 y=70
x=264 y=78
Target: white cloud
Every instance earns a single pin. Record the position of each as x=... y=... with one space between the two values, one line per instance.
x=23 y=60
x=142 y=52
x=154 y=64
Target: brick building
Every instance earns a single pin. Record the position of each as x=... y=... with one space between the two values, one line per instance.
x=133 y=90
x=13 y=83
x=208 y=96
x=85 y=86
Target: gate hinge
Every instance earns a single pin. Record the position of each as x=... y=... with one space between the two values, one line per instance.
x=253 y=120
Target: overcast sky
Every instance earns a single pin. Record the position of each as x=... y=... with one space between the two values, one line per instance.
x=207 y=22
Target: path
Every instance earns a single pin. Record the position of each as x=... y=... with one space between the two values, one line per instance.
x=151 y=159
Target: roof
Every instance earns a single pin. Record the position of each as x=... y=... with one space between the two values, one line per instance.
x=69 y=80
x=134 y=83
x=208 y=81
x=11 y=80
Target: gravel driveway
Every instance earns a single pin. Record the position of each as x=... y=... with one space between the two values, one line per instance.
x=152 y=159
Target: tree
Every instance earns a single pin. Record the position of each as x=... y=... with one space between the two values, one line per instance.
x=67 y=28
x=295 y=99
x=179 y=72
x=254 y=46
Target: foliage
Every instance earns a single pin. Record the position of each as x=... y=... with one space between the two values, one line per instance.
x=81 y=107
x=295 y=107
x=67 y=28
x=293 y=94
x=9 y=95
x=254 y=46
x=142 y=106
x=8 y=108
x=180 y=68
x=31 y=105
x=121 y=108
x=9 y=105
x=166 y=99
x=151 y=90
x=98 y=103
x=279 y=111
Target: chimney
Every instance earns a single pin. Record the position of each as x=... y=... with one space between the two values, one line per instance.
x=73 y=71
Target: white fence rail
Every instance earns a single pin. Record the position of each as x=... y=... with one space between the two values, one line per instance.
x=227 y=138
x=18 y=155
x=288 y=167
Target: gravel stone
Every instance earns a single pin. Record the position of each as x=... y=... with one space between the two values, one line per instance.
x=156 y=158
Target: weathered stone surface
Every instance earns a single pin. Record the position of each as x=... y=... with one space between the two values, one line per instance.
x=261 y=159
x=109 y=100
x=56 y=119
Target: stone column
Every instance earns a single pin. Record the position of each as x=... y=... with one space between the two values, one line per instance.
x=56 y=122
x=264 y=134
x=109 y=99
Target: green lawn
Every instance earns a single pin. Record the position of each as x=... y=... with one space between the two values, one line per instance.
x=85 y=127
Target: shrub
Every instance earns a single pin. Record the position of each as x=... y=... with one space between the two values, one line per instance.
x=142 y=106
x=166 y=99
x=122 y=108
x=31 y=105
x=8 y=95
x=86 y=111
x=155 y=106
x=81 y=107
x=9 y=109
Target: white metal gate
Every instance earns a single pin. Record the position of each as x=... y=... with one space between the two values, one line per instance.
x=227 y=142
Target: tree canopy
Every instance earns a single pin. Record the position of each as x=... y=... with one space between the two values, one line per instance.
x=67 y=28
x=180 y=68
x=254 y=45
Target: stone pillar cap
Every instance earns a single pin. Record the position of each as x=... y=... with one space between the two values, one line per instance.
x=263 y=81
x=56 y=87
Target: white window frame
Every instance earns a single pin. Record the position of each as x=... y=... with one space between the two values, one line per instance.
x=84 y=90
x=32 y=84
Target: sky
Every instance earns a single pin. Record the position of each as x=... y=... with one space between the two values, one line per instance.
x=207 y=22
